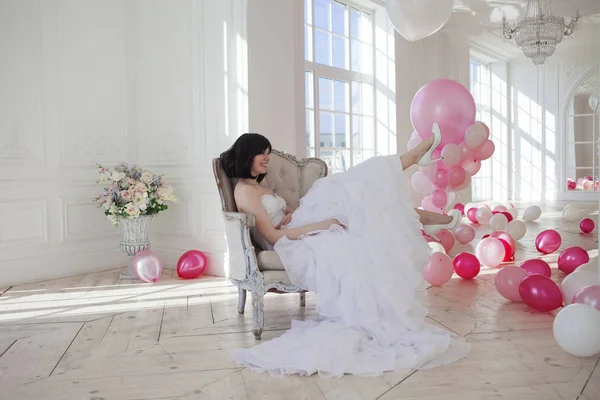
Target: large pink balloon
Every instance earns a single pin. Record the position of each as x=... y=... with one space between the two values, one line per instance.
x=440 y=179
x=456 y=176
x=466 y=265
x=571 y=258
x=485 y=151
x=490 y=252
x=589 y=295
x=464 y=233
x=446 y=102
x=146 y=266
x=447 y=239
x=421 y=183
x=537 y=266
x=451 y=154
x=548 y=241
x=438 y=270
x=439 y=198
x=508 y=280
x=540 y=293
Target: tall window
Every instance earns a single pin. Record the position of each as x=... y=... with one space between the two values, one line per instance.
x=481 y=77
x=340 y=92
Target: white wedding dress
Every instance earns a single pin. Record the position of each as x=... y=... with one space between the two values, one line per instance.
x=365 y=278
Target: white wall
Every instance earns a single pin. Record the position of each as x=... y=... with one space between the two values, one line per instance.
x=420 y=62
x=158 y=83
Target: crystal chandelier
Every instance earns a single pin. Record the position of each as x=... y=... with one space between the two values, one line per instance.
x=538 y=33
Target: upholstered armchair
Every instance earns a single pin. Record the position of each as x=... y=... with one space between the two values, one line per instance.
x=252 y=266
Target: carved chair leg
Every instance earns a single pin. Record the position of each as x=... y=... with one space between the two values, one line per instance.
x=241 y=300
x=302 y=299
x=258 y=322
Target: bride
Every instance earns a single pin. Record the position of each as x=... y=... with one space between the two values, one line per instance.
x=355 y=241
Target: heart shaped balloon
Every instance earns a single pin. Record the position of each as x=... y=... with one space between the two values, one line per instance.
x=417 y=19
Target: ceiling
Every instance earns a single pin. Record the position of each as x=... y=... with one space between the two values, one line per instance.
x=480 y=22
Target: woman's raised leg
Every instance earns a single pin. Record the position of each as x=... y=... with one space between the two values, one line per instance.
x=431 y=218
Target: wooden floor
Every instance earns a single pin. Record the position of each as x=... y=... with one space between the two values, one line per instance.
x=91 y=337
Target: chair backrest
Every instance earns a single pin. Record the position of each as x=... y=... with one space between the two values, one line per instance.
x=287 y=176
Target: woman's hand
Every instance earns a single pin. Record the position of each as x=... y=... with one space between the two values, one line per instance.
x=325 y=225
x=284 y=221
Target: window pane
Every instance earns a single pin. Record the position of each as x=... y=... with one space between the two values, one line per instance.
x=340 y=53
x=354 y=23
x=310 y=152
x=366 y=59
x=337 y=160
x=356 y=132
x=308 y=89
x=310 y=128
x=357 y=156
x=308 y=43
x=340 y=89
x=325 y=94
x=366 y=28
x=355 y=51
x=368 y=104
x=338 y=18
x=341 y=129
x=356 y=97
x=308 y=11
x=322 y=14
x=326 y=129
x=322 y=47
x=368 y=133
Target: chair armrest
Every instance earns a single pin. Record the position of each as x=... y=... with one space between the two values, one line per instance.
x=242 y=257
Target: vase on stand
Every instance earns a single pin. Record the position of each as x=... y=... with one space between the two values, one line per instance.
x=134 y=238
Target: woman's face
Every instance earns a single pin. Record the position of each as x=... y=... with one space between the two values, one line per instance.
x=259 y=165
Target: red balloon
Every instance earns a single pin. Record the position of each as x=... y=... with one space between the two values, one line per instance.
x=548 y=241
x=191 y=264
x=508 y=215
x=485 y=236
x=460 y=207
x=540 y=293
x=586 y=225
x=536 y=266
x=507 y=250
x=466 y=265
x=571 y=258
x=472 y=215
x=512 y=245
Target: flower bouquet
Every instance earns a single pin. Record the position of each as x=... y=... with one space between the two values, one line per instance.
x=131 y=192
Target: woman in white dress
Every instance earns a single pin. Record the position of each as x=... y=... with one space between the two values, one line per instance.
x=355 y=241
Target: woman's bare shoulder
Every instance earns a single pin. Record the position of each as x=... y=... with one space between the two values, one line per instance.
x=245 y=194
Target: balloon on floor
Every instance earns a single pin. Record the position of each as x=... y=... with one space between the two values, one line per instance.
x=147 y=266
x=191 y=264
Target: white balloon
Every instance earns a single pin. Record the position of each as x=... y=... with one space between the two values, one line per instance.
x=498 y=222
x=532 y=213
x=591 y=265
x=484 y=215
x=437 y=247
x=417 y=19
x=513 y=212
x=576 y=329
x=516 y=229
x=576 y=281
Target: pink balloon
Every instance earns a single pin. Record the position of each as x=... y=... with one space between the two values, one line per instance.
x=548 y=241
x=490 y=252
x=499 y=209
x=421 y=183
x=475 y=136
x=571 y=185
x=540 y=293
x=451 y=154
x=472 y=166
x=438 y=270
x=464 y=233
x=146 y=266
x=447 y=239
x=446 y=102
x=427 y=238
x=508 y=215
x=440 y=179
x=586 y=225
x=439 y=198
x=537 y=266
x=589 y=295
x=460 y=207
x=487 y=129
x=509 y=240
x=571 y=258
x=429 y=171
x=456 y=176
x=466 y=265
x=464 y=185
x=485 y=151
x=508 y=280
x=428 y=206
x=191 y=264
x=472 y=215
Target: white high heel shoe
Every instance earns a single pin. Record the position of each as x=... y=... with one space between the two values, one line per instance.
x=431 y=230
x=437 y=139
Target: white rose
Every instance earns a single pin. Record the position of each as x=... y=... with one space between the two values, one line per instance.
x=132 y=210
x=126 y=195
x=147 y=177
x=139 y=201
x=117 y=176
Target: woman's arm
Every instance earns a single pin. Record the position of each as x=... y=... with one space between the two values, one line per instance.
x=249 y=201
